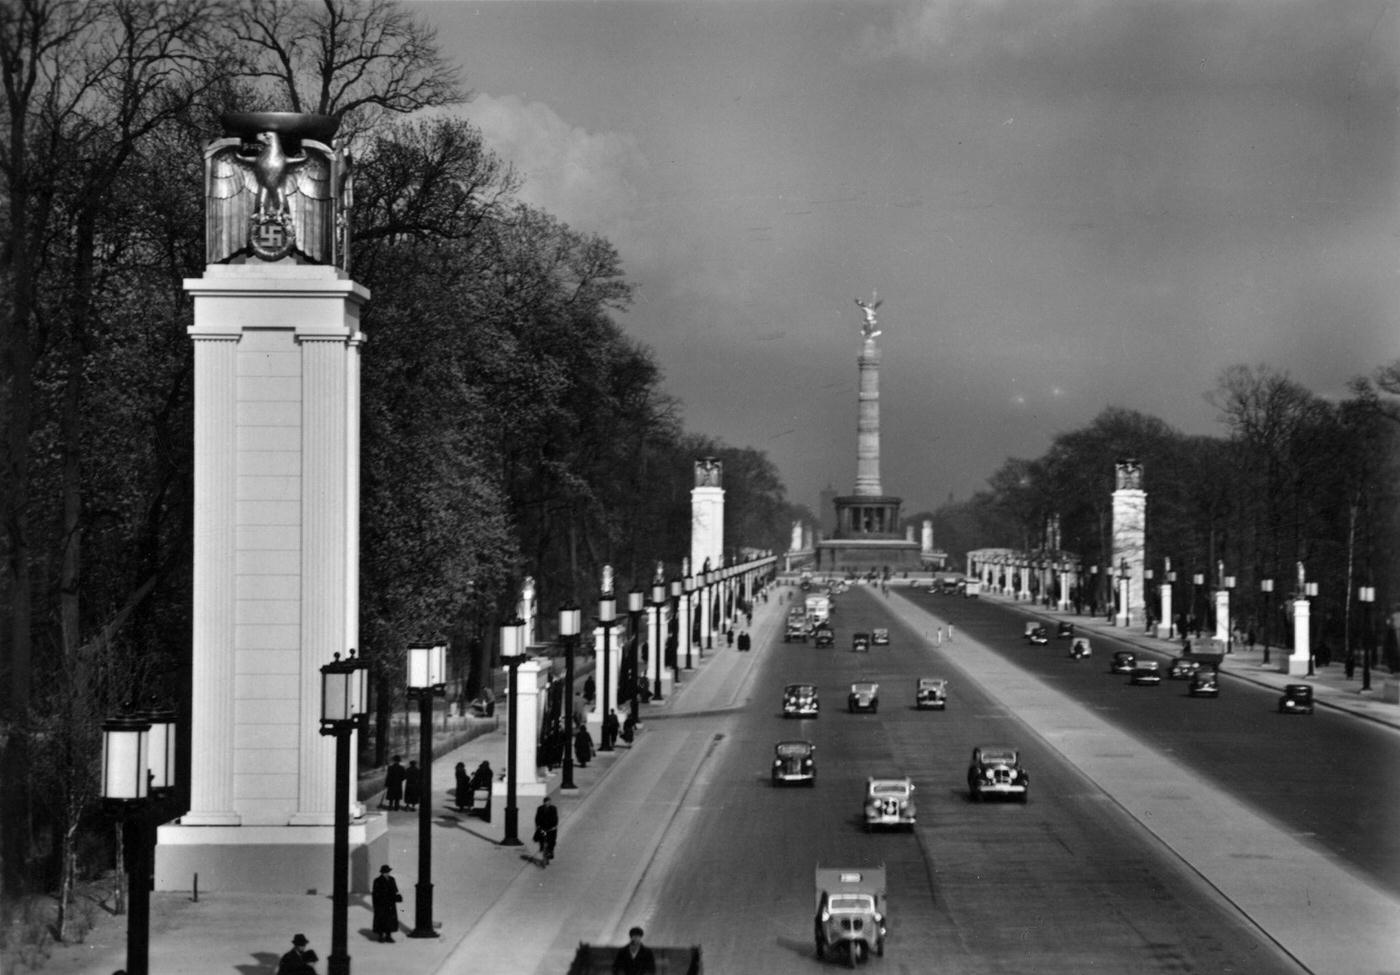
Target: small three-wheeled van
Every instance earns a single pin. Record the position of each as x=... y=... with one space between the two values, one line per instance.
x=850 y=921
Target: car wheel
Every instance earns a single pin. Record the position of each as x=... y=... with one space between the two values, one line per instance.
x=880 y=947
x=1024 y=797
x=874 y=708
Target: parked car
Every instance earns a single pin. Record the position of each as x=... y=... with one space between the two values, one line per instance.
x=1297 y=699
x=823 y=636
x=1183 y=668
x=860 y=642
x=880 y=637
x=889 y=802
x=864 y=696
x=484 y=706
x=1063 y=630
x=1205 y=683
x=931 y=692
x=794 y=761
x=1146 y=672
x=1079 y=647
x=801 y=701
x=996 y=770
x=1123 y=662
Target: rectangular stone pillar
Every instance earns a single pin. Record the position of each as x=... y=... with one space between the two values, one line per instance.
x=530 y=681
x=1222 y=617
x=1297 y=662
x=604 y=663
x=1164 y=625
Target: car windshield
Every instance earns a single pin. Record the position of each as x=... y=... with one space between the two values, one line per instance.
x=1123 y=656
x=800 y=688
x=850 y=903
x=929 y=684
x=999 y=756
x=1147 y=665
x=794 y=749
x=863 y=688
x=900 y=789
x=1299 y=690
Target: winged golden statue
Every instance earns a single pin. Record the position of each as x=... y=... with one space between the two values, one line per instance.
x=275 y=189
x=870 y=328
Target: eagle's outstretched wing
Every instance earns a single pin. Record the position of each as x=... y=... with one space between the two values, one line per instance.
x=230 y=193
x=311 y=197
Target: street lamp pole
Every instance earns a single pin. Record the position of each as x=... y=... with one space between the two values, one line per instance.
x=607 y=613
x=343 y=711
x=677 y=587
x=1310 y=590
x=707 y=627
x=1367 y=595
x=658 y=602
x=1229 y=621
x=1198 y=580
x=688 y=584
x=636 y=600
x=1147 y=599
x=570 y=622
x=1124 y=591
x=1266 y=586
x=427 y=679
x=126 y=789
x=512 y=655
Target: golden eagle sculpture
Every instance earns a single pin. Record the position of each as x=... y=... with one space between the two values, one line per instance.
x=277 y=188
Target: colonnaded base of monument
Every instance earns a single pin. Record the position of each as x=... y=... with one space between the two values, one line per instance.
x=853 y=555
x=265 y=859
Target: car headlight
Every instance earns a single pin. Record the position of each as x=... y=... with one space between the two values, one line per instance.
x=826 y=916
x=989 y=774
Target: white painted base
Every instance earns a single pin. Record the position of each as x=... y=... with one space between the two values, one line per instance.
x=272 y=859
x=1294 y=665
x=1390 y=690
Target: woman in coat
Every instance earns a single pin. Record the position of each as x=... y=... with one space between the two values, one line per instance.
x=412 y=786
x=583 y=746
x=464 y=786
x=385 y=897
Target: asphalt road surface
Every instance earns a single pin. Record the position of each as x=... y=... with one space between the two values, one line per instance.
x=1067 y=882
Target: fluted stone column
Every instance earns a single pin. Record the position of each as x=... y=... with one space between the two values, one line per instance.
x=1296 y=663
x=868 y=422
x=1130 y=540
x=707 y=527
x=602 y=706
x=529 y=681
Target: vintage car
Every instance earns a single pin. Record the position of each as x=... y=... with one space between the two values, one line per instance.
x=860 y=642
x=1297 y=699
x=889 y=802
x=1036 y=635
x=801 y=701
x=879 y=637
x=931 y=692
x=1063 y=630
x=823 y=635
x=794 y=761
x=1205 y=682
x=484 y=706
x=996 y=771
x=850 y=918
x=1183 y=668
x=797 y=627
x=1146 y=672
x=1079 y=647
x=1123 y=662
x=864 y=696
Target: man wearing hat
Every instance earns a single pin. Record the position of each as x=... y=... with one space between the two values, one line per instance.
x=385 y=897
x=300 y=960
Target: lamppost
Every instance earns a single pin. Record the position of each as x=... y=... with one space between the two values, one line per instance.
x=636 y=603
x=512 y=655
x=1123 y=590
x=658 y=603
x=570 y=622
x=137 y=764
x=1266 y=586
x=1171 y=581
x=708 y=607
x=1094 y=586
x=1310 y=590
x=343 y=712
x=1198 y=580
x=1147 y=594
x=688 y=584
x=1367 y=596
x=427 y=678
x=677 y=587
x=1229 y=582
x=607 y=613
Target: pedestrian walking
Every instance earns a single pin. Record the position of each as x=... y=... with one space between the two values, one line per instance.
x=547 y=829
x=610 y=728
x=412 y=786
x=590 y=690
x=583 y=746
x=301 y=960
x=385 y=897
x=629 y=727
x=393 y=783
x=481 y=782
x=464 y=786
x=634 y=958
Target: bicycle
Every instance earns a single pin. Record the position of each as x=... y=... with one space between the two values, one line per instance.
x=547 y=839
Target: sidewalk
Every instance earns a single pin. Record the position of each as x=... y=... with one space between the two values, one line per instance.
x=245 y=934
x=1331 y=688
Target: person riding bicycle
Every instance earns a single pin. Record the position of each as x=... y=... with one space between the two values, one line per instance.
x=547 y=828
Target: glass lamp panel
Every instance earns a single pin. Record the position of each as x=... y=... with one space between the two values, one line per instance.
x=125 y=759
x=162 y=749
x=570 y=621
x=336 y=690
x=635 y=599
x=607 y=609
x=513 y=638
x=658 y=594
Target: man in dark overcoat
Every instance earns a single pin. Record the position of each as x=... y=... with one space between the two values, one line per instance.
x=385 y=897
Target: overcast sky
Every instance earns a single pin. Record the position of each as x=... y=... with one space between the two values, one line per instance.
x=1063 y=205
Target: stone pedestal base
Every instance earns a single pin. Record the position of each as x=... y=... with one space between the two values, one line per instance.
x=1164 y=631
x=1294 y=664
x=271 y=859
x=1390 y=690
